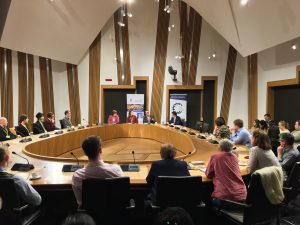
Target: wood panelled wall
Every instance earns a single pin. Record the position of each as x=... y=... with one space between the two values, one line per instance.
x=46 y=85
x=190 y=31
x=94 y=80
x=6 y=85
x=122 y=44
x=229 y=76
x=160 y=61
x=252 y=89
x=74 y=97
x=26 y=85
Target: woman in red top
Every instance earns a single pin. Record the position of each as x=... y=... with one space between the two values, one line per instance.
x=224 y=169
x=131 y=118
x=114 y=118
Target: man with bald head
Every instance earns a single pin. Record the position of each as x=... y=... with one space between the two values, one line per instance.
x=5 y=133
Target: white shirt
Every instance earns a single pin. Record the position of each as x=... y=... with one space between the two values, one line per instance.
x=94 y=169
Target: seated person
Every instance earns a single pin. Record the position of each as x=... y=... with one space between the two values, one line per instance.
x=96 y=168
x=261 y=154
x=263 y=126
x=147 y=118
x=25 y=191
x=283 y=127
x=286 y=153
x=240 y=135
x=79 y=219
x=23 y=129
x=38 y=126
x=221 y=130
x=131 y=117
x=5 y=133
x=49 y=123
x=168 y=166
x=113 y=118
x=273 y=133
x=223 y=168
x=66 y=121
x=255 y=126
x=176 y=120
x=296 y=134
x=172 y=216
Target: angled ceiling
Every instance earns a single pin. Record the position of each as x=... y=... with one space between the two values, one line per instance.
x=259 y=25
x=58 y=29
x=64 y=29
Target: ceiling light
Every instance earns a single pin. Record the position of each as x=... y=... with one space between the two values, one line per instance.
x=129 y=15
x=209 y=57
x=121 y=24
x=214 y=55
x=294 y=47
x=169 y=10
x=166 y=7
x=244 y=2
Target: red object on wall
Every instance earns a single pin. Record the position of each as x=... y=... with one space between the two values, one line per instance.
x=108 y=79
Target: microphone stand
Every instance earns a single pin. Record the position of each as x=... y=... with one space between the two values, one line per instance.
x=21 y=166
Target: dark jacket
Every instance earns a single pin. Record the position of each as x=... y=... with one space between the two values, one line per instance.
x=145 y=119
x=37 y=128
x=4 y=133
x=65 y=123
x=49 y=126
x=21 y=130
x=166 y=167
x=176 y=121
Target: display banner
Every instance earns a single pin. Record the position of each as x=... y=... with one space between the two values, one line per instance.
x=135 y=103
x=178 y=103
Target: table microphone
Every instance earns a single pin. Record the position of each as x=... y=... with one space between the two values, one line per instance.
x=22 y=166
x=186 y=156
x=72 y=167
x=131 y=167
x=86 y=122
x=133 y=157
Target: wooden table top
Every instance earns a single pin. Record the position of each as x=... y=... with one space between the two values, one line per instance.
x=43 y=153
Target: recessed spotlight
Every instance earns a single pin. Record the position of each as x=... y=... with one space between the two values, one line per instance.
x=129 y=15
x=209 y=57
x=294 y=47
x=244 y=2
x=121 y=24
x=166 y=8
x=214 y=55
x=51 y=0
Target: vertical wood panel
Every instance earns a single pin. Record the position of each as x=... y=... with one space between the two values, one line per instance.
x=229 y=76
x=195 y=48
x=22 y=76
x=9 y=84
x=117 y=44
x=252 y=89
x=184 y=38
x=160 y=61
x=94 y=80
x=46 y=85
x=2 y=81
x=30 y=88
x=73 y=87
x=126 y=51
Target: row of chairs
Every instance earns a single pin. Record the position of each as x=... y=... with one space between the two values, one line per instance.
x=107 y=200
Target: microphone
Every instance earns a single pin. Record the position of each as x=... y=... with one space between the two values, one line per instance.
x=72 y=167
x=75 y=157
x=186 y=156
x=133 y=157
x=21 y=166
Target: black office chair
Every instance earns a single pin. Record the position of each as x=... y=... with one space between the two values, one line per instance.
x=62 y=126
x=185 y=192
x=256 y=210
x=108 y=200
x=291 y=191
x=12 y=211
x=202 y=127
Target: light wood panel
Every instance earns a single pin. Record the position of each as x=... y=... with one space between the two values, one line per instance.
x=160 y=61
x=117 y=45
x=94 y=80
x=74 y=98
x=229 y=76
x=252 y=89
x=9 y=89
x=126 y=49
x=272 y=84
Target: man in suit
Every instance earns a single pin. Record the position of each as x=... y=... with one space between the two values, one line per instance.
x=147 y=118
x=168 y=166
x=66 y=121
x=38 y=126
x=23 y=129
x=176 y=120
x=49 y=123
x=5 y=133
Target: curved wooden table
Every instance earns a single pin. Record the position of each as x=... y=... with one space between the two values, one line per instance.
x=45 y=153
